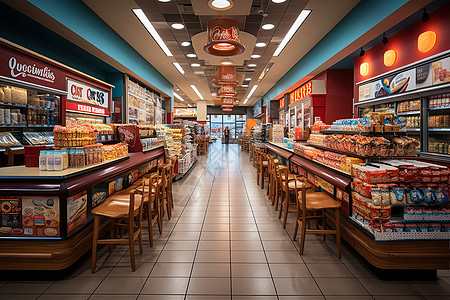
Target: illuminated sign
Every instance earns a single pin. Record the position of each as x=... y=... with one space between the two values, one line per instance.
x=300 y=93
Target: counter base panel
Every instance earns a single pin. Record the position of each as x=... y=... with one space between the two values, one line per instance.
x=394 y=255
x=51 y=255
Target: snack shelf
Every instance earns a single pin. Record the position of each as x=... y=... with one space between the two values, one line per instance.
x=438 y=107
x=341 y=152
x=41 y=125
x=446 y=129
x=412 y=129
x=13 y=104
x=9 y=126
x=439 y=157
x=40 y=107
x=368 y=133
x=407 y=113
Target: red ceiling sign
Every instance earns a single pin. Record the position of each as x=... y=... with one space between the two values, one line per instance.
x=300 y=93
x=282 y=103
x=226 y=75
x=223 y=37
x=227 y=101
x=227 y=90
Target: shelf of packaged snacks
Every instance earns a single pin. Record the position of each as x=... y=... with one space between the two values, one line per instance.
x=39 y=107
x=13 y=104
x=437 y=157
x=438 y=107
x=324 y=165
x=445 y=129
x=412 y=129
x=9 y=125
x=407 y=113
x=339 y=151
x=41 y=125
x=368 y=133
x=151 y=149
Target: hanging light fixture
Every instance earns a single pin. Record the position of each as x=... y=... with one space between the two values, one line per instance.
x=226 y=75
x=223 y=38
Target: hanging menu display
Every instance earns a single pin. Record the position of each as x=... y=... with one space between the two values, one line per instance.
x=425 y=75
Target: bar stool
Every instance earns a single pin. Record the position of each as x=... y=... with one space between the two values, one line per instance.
x=311 y=202
x=119 y=210
x=288 y=191
x=164 y=197
x=272 y=182
x=280 y=177
x=263 y=166
x=151 y=185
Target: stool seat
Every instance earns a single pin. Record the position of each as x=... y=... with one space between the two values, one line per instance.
x=320 y=200
x=116 y=207
x=300 y=184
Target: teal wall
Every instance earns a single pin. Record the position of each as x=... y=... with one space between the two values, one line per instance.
x=76 y=16
x=358 y=21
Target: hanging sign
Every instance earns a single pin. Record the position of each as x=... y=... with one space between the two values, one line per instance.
x=87 y=109
x=227 y=100
x=223 y=37
x=227 y=91
x=226 y=75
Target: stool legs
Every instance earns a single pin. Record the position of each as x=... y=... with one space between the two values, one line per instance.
x=94 y=243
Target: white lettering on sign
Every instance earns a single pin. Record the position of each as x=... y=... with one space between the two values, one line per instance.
x=24 y=70
x=77 y=91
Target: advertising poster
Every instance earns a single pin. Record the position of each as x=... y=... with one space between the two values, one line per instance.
x=40 y=216
x=132 y=177
x=11 y=216
x=325 y=185
x=76 y=211
x=312 y=179
x=395 y=84
x=115 y=186
x=434 y=73
x=99 y=194
x=143 y=169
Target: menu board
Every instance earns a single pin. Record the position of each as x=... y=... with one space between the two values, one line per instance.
x=425 y=75
x=10 y=219
x=76 y=211
x=180 y=112
x=40 y=216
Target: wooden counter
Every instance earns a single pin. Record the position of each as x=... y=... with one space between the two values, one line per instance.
x=417 y=255
x=59 y=248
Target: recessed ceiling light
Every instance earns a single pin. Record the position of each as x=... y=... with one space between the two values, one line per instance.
x=191 y=55
x=259 y=45
x=245 y=85
x=164 y=1
x=195 y=65
x=226 y=62
x=177 y=26
x=278 y=1
x=146 y=23
x=298 y=22
x=251 y=65
x=214 y=94
x=268 y=26
x=220 y=4
x=248 y=78
x=185 y=44
x=178 y=89
x=178 y=96
x=255 y=56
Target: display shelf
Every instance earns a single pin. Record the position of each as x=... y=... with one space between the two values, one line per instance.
x=438 y=157
x=444 y=129
x=280 y=149
x=13 y=104
x=39 y=107
x=151 y=149
x=438 y=107
x=40 y=125
x=9 y=125
x=407 y=113
x=366 y=133
x=148 y=136
x=105 y=137
x=412 y=129
x=340 y=151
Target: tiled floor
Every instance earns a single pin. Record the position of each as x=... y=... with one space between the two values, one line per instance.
x=224 y=241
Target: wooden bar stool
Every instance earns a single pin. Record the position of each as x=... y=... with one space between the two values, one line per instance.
x=164 y=197
x=273 y=182
x=151 y=185
x=311 y=202
x=288 y=192
x=263 y=167
x=119 y=210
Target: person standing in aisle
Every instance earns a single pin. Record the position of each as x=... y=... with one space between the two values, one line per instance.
x=226 y=133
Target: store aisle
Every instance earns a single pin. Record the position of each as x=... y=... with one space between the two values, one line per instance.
x=224 y=241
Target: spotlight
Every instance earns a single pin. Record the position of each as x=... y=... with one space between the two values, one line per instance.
x=361 y=54
x=385 y=39
x=425 y=16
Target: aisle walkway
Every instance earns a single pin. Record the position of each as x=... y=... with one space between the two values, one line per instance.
x=225 y=241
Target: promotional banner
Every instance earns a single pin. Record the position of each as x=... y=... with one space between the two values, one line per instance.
x=80 y=92
x=76 y=211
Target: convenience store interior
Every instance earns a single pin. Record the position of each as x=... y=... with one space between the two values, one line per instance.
x=350 y=98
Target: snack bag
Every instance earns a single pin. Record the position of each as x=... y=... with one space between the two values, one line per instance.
x=415 y=196
x=397 y=195
x=441 y=196
x=428 y=195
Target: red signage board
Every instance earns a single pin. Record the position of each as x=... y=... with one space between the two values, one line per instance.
x=19 y=66
x=281 y=103
x=129 y=134
x=300 y=93
x=86 y=108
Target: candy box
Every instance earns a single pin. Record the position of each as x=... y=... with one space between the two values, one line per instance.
x=435 y=227
x=388 y=227
x=411 y=227
x=422 y=227
x=362 y=187
x=399 y=227
x=445 y=227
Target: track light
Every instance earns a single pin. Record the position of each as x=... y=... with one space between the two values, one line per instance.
x=385 y=39
x=361 y=54
x=425 y=16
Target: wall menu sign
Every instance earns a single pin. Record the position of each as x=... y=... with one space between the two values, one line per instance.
x=425 y=75
x=85 y=108
x=302 y=92
x=181 y=112
x=19 y=66
x=81 y=92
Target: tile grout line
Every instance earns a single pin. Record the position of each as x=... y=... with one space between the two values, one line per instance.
x=259 y=234
x=201 y=229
